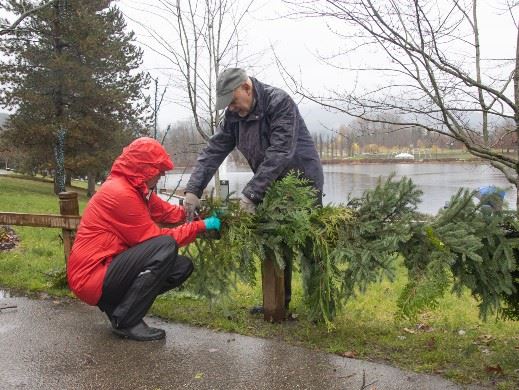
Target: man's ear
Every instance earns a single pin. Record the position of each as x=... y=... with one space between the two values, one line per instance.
x=247 y=87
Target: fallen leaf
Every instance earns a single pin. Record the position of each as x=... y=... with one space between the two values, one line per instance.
x=431 y=344
x=349 y=354
x=292 y=316
x=199 y=375
x=486 y=339
x=494 y=369
x=424 y=327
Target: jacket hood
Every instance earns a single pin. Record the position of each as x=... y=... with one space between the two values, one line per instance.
x=140 y=161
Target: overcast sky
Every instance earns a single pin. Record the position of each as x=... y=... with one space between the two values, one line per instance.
x=296 y=41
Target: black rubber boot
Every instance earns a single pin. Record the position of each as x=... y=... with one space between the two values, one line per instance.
x=256 y=310
x=140 y=332
x=261 y=310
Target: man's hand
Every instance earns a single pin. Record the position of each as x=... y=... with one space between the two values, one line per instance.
x=247 y=205
x=191 y=203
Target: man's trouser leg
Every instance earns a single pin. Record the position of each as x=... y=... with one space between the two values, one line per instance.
x=136 y=276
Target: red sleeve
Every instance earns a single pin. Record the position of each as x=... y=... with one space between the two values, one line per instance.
x=162 y=211
x=132 y=222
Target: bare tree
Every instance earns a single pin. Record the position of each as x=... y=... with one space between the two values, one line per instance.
x=435 y=73
x=203 y=38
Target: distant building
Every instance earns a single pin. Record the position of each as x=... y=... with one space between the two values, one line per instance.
x=404 y=156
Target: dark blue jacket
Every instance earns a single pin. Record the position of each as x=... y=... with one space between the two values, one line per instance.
x=273 y=138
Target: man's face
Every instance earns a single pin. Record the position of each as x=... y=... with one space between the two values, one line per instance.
x=242 y=100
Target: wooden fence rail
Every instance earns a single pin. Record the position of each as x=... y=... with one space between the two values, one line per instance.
x=69 y=219
x=39 y=220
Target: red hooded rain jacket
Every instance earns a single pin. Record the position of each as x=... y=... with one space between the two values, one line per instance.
x=122 y=214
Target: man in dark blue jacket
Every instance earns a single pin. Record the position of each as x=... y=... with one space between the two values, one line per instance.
x=264 y=124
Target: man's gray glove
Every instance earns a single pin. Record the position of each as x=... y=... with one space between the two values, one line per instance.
x=247 y=205
x=191 y=203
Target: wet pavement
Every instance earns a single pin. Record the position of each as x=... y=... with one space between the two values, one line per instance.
x=64 y=344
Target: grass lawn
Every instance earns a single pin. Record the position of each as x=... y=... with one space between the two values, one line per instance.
x=450 y=341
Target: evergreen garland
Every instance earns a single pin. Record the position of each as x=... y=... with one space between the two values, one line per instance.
x=323 y=260
x=383 y=218
x=510 y=310
x=220 y=260
x=341 y=249
x=462 y=247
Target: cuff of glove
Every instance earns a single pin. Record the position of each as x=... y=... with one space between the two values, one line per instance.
x=246 y=199
x=250 y=196
x=200 y=225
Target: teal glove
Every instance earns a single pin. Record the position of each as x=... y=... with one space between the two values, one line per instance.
x=212 y=223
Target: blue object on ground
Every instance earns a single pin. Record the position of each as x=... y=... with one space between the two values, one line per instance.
x=490 y=190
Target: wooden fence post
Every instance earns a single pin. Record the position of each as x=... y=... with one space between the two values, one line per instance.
x=68 y=205
x=273 y=282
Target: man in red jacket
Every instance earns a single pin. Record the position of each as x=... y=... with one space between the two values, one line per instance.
x=121 y=260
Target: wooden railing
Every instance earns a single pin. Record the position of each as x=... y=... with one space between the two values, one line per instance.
x=69 y=219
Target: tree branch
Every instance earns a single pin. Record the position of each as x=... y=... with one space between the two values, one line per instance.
x=10 y=29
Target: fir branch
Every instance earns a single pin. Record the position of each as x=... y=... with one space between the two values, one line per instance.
x=343 y=249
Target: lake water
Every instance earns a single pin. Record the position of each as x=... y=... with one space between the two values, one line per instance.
x=438 y=181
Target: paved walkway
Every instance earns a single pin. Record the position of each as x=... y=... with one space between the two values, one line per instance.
x=46 y=344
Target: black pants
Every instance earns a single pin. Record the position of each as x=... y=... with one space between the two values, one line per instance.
x=287 y=256
x=135 y=277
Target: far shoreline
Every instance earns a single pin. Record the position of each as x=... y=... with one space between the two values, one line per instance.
x=447 y=160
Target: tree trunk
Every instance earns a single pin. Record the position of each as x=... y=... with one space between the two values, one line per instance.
x=59 y=155
x=59 y=146
x=57 y=189
x=516 y=114
x=91 y=188
x=68 y=179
